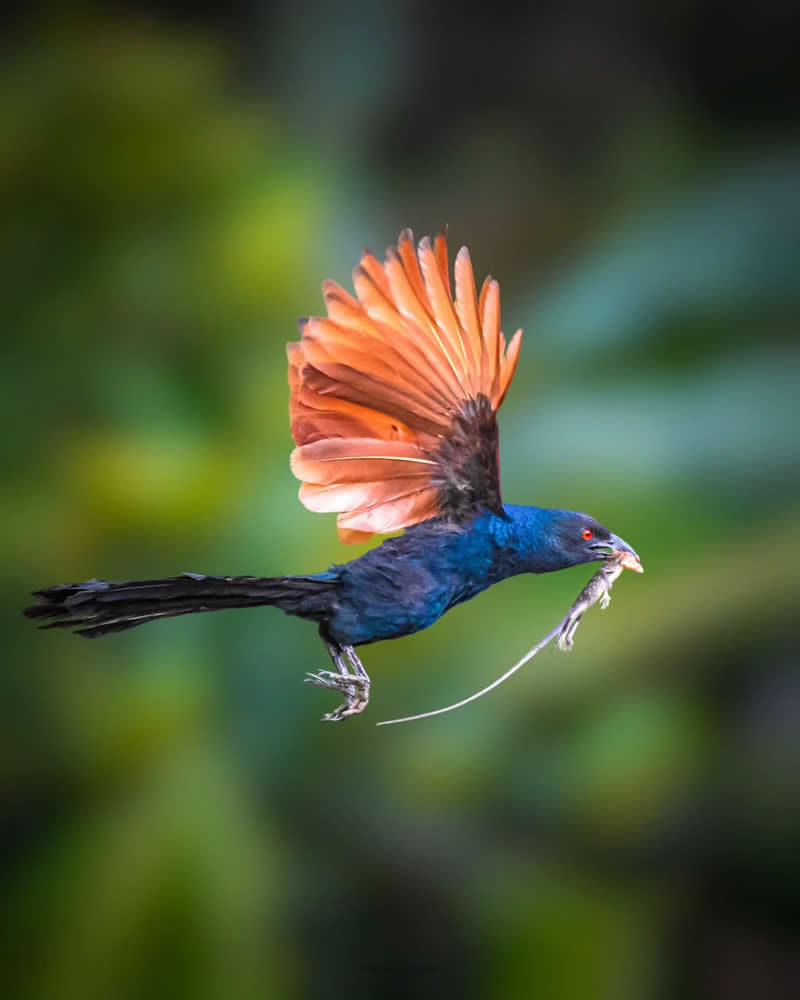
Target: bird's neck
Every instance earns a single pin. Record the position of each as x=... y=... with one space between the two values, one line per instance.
x=529 y=541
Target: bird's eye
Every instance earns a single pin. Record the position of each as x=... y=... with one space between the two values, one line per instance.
x=587 y=534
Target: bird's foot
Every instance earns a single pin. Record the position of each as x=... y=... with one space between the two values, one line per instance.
x=354 y=687
x=605 y=600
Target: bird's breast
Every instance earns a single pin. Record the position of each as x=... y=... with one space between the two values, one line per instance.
x=409 y=582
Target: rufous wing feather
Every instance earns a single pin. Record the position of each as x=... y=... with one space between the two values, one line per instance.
x=393 y=396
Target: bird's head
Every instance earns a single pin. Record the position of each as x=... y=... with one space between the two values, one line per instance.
x=581 y=539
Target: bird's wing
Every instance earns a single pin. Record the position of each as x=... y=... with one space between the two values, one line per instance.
x=393 y=396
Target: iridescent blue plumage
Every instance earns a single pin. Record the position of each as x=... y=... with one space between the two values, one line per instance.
x=407 y=583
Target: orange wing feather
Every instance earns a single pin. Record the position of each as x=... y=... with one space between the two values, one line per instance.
x=392 y=397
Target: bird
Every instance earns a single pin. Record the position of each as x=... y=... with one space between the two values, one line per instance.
x=393 y=401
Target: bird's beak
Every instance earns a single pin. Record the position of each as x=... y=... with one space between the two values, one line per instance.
x=618 y=548
x=626 y=555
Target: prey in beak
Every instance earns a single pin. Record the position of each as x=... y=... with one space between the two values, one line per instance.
x=616 y=549
x=628 y=560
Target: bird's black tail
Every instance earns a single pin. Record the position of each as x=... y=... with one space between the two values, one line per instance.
x=98 y=607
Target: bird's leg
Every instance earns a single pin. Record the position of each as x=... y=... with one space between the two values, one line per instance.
x=335 y=653
x=356 y=664
x=354 y=686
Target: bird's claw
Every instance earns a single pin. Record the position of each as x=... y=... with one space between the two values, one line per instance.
x=354 y=688
x=333 y=681
x=354 y=705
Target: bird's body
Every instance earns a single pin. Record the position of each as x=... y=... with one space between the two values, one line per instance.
x=407 y=583
x=393 y=402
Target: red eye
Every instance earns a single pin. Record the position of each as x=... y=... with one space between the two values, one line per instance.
x=587 y=534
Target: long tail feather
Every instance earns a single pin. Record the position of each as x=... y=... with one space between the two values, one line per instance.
x=98 y=607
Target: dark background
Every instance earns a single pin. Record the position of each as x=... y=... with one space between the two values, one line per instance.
x=622 y=822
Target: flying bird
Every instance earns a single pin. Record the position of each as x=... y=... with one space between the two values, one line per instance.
x=393 y=400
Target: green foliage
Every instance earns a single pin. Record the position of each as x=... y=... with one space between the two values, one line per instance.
x=179 y=822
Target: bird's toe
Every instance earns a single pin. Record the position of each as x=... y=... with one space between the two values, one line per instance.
x=354 y=688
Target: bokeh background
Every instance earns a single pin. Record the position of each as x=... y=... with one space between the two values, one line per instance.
x=619 y=823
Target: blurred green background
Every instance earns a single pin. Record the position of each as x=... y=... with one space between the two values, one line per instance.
x=618 y=823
